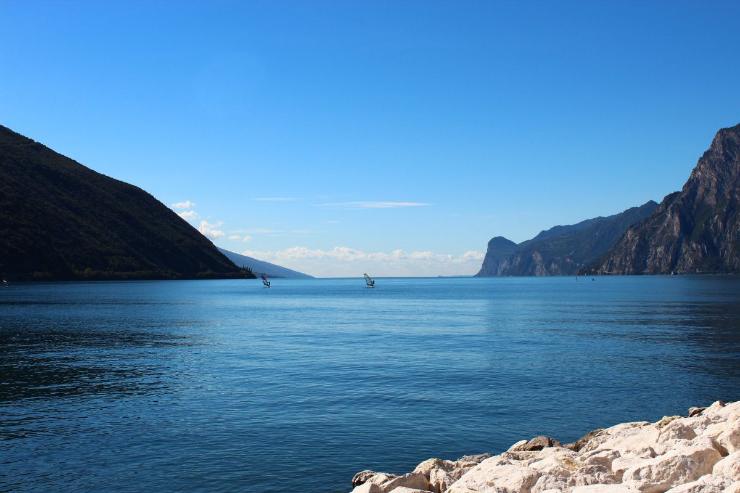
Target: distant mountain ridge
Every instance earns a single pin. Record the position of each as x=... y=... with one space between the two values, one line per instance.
x=696 y=230
x=262 y=267
x=60 y=220
x=561 y=250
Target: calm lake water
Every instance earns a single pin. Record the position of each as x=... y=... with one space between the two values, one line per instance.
x=223 y=386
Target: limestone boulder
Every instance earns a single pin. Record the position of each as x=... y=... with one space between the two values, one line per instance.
x=695 y=411
x=679 y=429
x=705 y=484
x=536 y=443
x=367 y=488
x=624 y=438
x=729 y=467
x=680 y=465
x=367 y=475
x=491 y=475
x=442 y=473
x=604 y=488
x=404 y=489
x=581 y=442
x=413 y=480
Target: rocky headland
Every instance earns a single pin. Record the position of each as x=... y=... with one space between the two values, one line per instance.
x=698 y=453
x=696 y=230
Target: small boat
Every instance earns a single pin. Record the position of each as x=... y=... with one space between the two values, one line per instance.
x=265 y=281
x=369 y=281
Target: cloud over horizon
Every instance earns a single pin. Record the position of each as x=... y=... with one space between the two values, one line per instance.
x=185 y=204
x=211 y=230
x=342 y=261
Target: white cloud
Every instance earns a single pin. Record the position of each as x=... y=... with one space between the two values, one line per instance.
x=275 y=199
x=344 y=261
x=185 y=204
x=188 y=215
x=383 y=204
x=235 y=237
x=246 y=238
x=210 y=230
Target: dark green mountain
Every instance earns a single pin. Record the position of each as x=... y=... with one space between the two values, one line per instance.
x=60 y=220
x=696 y=230
x=561 y=250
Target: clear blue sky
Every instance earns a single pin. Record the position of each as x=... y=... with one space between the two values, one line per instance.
x=427 y=127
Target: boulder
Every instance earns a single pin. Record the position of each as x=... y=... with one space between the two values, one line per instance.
x=367 y=488
x=404 y=489
x=600 y=457
x=705 y=484
x=536 y=443
x=604 y=488
x=442 y=473
x=676 y=430
x=476 y=458
x=364 y=476
x=581 y=442
x=696 y=411
x=412 y=480
x=624 y=438
x=680 y=465
x=490 y=475
x=729 y=467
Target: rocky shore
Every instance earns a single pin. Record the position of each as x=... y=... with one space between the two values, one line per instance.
x=698 y=453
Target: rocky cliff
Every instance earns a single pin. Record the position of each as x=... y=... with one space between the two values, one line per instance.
x=696 y=230
x=562 y=250
x=62 y=220
x=699 y=453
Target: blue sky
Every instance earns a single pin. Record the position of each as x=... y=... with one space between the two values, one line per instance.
x=393 y=137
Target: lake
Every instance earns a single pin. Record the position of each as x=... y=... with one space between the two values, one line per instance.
x=224 y=386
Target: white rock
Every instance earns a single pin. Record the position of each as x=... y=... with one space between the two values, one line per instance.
x=604 y=488
x=625 y=438
x=367 y=488
x=403 y=489
x=733 y=488
x=442 y=473
x=730 y=438
x=631 y=460
x=600 y=457
x=705 y=484
x=517 y=445
x=680 y=465
x=677 y=429
x=557 y=478
x=490 y=476
x=729 y=467
x=412 y=480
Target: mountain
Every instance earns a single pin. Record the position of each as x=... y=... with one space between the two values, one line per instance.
x=561 y=250
x=262 y=267
x=696 y=230
x=61 y=220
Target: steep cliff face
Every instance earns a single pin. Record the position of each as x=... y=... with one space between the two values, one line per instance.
x=562 y=250
x=696 y=230
x=61 y=220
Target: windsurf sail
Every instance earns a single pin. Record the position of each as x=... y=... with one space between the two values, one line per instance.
x=265 y=281
x=369 y=281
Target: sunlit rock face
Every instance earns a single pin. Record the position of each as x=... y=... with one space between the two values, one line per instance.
x=696 y=230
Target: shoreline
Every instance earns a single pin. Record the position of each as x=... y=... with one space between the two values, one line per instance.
x=697 y=453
